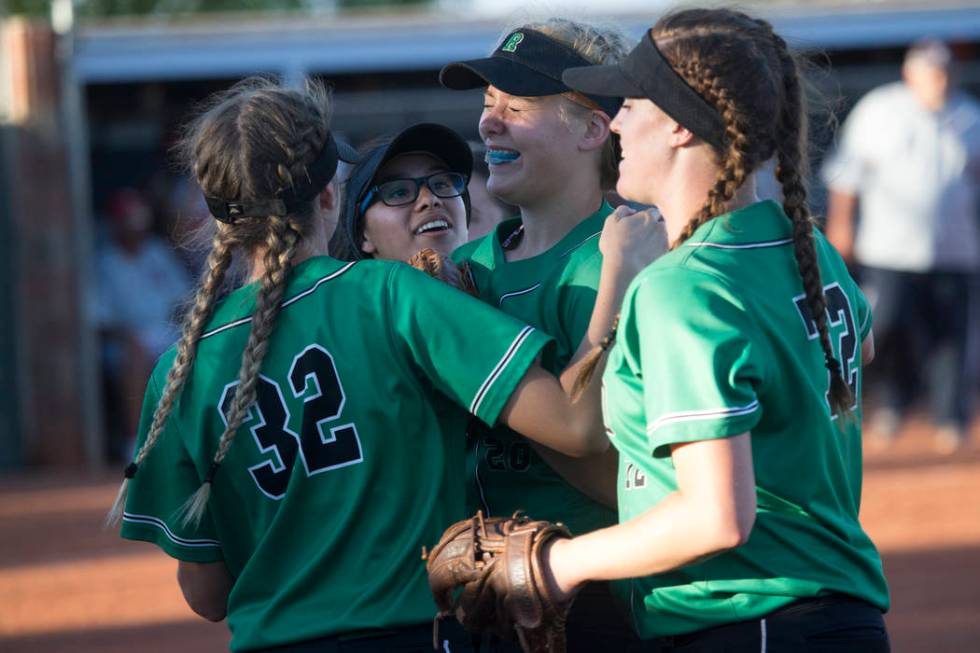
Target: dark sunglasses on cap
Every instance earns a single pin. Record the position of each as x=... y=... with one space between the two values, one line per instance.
x=403 y=191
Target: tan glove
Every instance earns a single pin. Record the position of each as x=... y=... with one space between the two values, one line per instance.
x=488 y=573
x=440 y=267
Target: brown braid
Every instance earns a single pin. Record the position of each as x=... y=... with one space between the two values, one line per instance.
x=791 y=140
x=251 y=144
x=591 y=361
x=736 y=162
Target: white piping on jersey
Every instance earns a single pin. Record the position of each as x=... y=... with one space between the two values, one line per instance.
x=479 y=483
x=518 y=292
x=568 y=251
x=696 y=415
x=150 y=520
x=768 y=243
x=582 y=242
x=508 y=355
x=765 y=635
x=308 y=291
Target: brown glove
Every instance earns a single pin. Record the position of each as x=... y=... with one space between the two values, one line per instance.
x=442 y=268
x=488 y=573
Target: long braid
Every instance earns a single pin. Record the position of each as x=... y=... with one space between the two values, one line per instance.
x=216 y=267
x=251 y=144
x=284 y=235
x=789 y=171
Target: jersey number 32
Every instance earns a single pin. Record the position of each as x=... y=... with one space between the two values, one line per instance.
x=839 y=314
x=312 y=377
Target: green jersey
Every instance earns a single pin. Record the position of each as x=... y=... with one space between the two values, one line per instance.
x=715 y=340
x=346 y=464
x=555 y=292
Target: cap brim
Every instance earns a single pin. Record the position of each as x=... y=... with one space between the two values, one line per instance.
x=345 y=152
x=509 y=76
x=601 y=80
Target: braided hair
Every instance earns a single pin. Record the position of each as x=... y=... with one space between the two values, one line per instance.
x=747 y=73
x=252 y=143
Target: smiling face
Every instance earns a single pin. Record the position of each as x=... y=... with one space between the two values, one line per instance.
x=399 y=232
x=644 y=132
x=531 y=150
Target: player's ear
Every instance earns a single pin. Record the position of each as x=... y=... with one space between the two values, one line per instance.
x=367 y=246
x=596 y=131
x=680 y=136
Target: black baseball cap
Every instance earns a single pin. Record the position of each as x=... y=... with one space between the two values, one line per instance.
x=527 y=63
x=645 y=73
x=427 y=138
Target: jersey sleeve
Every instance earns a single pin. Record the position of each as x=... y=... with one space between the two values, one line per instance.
x=473 y=353
x=864 y=318
x=690 y=337
x=164 y=481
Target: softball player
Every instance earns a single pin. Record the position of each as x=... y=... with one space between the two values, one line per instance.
x=301 y=415
x=386 y=213
x=733 y=389
x=550 y=154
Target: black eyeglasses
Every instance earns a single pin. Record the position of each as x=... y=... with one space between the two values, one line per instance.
x=399 y=192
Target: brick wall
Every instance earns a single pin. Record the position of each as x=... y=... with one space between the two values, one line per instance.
x=44 y=301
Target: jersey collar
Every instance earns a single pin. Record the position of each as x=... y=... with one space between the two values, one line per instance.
x=584 y=231
x=759 y=225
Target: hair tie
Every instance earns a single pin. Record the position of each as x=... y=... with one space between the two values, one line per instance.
x=212 y=471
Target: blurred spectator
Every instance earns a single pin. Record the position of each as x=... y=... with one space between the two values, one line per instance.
x=486 y=211
x=909 y=159
x=141 y=283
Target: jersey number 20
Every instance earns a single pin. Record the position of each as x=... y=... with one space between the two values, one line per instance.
x=312 y=376
x=838 y=313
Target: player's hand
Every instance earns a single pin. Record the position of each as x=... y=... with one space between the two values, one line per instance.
x=634 y=239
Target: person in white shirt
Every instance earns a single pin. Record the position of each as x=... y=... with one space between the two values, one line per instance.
x=903 y=208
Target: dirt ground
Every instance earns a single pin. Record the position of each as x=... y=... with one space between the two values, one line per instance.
x=68 y=585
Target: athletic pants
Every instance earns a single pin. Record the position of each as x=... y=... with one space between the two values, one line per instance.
x=596 y=624
x=409 y=639
x=830 y=624
x=921 y=324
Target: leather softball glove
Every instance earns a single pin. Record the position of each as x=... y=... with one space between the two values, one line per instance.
x=442 y=268
x=487 y=572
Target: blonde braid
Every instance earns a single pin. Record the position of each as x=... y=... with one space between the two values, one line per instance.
x=280 y=247
x=216 y=267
